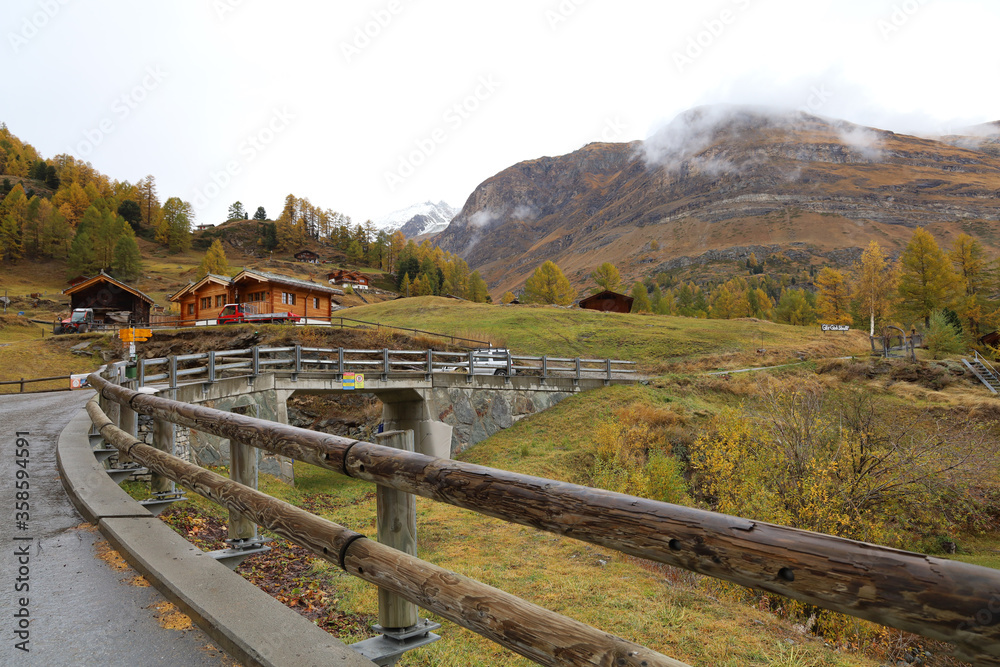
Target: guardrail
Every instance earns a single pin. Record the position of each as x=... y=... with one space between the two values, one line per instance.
x=338 y=322
x=211 y=366
x=937 y=598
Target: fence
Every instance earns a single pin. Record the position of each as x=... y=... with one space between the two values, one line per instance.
x=937 y=598
x=211 y=366
x=24 y=381
x=167 y=322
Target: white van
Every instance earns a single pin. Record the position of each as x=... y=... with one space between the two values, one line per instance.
x=486 y=361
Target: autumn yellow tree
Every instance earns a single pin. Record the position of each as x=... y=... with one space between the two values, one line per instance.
x=548 y=285
x=874 y=284
x=973 y=274
x=508 y=297
x=926 y=281
x=215 y=261
x=834 y=298
x=607 y=277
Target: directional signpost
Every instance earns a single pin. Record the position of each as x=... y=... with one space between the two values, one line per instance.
x=131 y=336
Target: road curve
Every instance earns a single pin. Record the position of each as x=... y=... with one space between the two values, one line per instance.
x=79 y=609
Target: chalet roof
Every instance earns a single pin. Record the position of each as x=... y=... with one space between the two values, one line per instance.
x=193 y=286
x=102 y=277
x=282 y=280
x=607 y=294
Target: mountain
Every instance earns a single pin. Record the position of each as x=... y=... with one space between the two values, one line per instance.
x=418 y=219
x=720 y=182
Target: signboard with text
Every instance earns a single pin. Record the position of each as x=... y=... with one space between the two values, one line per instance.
x=836 y=327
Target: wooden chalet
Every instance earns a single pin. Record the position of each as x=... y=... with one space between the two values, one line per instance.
x=262 y=292
x=307 y=256
x=345 y=278
x=608 y=302
x=111 y=300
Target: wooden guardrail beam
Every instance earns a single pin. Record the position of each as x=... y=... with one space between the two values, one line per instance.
x=541 y=635
x=934 y=597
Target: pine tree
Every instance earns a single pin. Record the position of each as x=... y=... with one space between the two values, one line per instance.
x=927 y=281
x=548 y=285
x=214 y=261
x=794 y=308
x=236 y=211
x=127 y=262
x=261 y=214
x=82 y=260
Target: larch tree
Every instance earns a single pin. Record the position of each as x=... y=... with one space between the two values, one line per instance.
x=640 y=299
x=548 y=285
x=834 y=298
x=174 y=227
x=214 y=261
x=926 y=281
x=478 y=290
x=607 y=277
x=874 y=284
x=236 y=211
x=149 y=202
x=508 y=297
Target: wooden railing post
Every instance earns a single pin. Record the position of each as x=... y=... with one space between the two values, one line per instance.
x=163 y=440
x=242 y=470
x=397 y=528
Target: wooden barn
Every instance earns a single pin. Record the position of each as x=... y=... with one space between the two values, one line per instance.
x=112 y=301
x=608 y=302
x=307 y=256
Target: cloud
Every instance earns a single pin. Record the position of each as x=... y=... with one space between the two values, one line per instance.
x=484 y=217
x=524 y=212
x=866 y=141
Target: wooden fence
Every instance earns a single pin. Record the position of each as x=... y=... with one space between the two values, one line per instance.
x=937 y=598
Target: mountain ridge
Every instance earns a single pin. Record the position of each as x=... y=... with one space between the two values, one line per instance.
x=717 y=178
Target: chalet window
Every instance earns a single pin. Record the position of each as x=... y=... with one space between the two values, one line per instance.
x=219 y=302
x=288 y=298
x=206 y=302
x=316 y=302
x=255 y=296
x=191 y=308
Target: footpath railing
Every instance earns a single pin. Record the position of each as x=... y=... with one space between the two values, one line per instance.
x=337 y=322
x=211 y=366
x=941 y=599
x=24 y=381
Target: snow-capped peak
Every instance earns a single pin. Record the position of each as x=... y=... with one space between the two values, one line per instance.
x=426 y=218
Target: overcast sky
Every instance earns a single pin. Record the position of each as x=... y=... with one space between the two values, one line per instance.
x=366 y=107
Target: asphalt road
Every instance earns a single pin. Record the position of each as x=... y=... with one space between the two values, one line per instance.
x=70 y=605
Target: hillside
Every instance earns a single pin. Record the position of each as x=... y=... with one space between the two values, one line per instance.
x=721 y=182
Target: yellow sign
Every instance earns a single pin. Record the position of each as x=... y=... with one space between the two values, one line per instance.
x=130 y=335
x=359 y=381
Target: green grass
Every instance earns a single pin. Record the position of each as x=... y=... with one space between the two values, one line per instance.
x=538 y=330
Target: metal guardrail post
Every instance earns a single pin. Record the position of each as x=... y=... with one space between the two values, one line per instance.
x=576 y=380
x=141 y=372
x=211 y=367
x=472 y=367
x=256 y=361
x=608 y=381
x=340 y=358
x=385 y=364
x=545 y=367
x=173 y=372
x=430 y=364
x=298 y=362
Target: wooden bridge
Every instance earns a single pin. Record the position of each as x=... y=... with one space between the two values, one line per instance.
x=937 y=598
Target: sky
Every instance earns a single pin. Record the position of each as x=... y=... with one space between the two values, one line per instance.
x=367 y=107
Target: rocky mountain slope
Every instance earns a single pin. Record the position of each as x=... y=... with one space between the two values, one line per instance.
x=720 y=182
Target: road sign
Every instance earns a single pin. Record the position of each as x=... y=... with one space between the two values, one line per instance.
x=836 y=327
x=349 y=381
x=130 y=335
x=359 y=381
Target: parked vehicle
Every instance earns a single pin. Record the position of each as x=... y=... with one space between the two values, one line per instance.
x=487 y=361
x=236 y=313
x=80 y=321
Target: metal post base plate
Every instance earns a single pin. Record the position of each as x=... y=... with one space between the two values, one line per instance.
x=389 y=646
x=240 y=550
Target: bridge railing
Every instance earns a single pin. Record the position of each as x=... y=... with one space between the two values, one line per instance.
x=161 y=322
x=941 y=599
x=214 y=365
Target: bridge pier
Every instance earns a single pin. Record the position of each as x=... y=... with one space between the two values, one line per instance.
x=410 y=410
